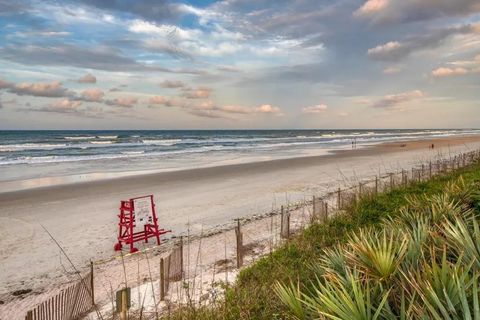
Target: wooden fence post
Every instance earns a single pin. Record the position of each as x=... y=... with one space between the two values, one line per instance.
x=360 y=191
x=326 y=212
x=29 y=315
x=162 y=279
x=339 y=198
x=124 y=306
x=376 y=184
x=91 y=283
x=391 y=181
x=181 y=257
x=430 y=169
x=238 y=232
x=314 y=213
x=288 y=225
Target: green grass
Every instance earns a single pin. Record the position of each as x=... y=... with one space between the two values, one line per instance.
x=253 y=296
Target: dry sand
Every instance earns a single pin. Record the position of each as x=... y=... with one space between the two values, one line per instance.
x=83 y=217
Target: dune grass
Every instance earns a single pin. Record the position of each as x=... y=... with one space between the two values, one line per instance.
x=381 y=259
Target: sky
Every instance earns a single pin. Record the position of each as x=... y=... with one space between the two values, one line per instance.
x=237 y=64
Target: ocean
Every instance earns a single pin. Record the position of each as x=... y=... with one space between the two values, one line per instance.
x=39 y=154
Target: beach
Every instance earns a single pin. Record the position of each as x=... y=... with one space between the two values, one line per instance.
x=82 y=216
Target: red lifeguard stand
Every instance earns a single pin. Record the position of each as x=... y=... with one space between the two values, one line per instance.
x=138 y=221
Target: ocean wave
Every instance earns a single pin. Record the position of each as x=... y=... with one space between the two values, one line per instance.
x=102 y=142
x=162 y=142
x=80 y=138
x=107 y=137
x=30 y=146
x=133 y=152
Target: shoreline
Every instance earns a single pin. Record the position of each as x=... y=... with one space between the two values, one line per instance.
x=135 y=176
x=84 y=219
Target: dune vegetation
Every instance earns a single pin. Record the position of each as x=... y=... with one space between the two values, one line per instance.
x=411 y=253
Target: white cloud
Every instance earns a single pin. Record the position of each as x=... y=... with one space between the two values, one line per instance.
x=384 y=49
x=371 y=7
x=446 y=72
x=67 y=104
x=93 y=94
x=267 y=108
x=157 y=100
x=315 y=109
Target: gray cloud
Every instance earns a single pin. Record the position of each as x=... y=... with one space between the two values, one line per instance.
x=198 y=93
x=154 y=10
x=389 y=11
x=88 y=78
x=125 y=102
x=41 y=89
x=396 y=50
x=4 y=84
x=100 y=58
x=172 y=84
x=207 y=114
x=394 y=100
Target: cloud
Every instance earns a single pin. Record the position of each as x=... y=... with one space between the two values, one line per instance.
x=175 y=103
x=397 y=11
x=315 y=109
x=236 y=109
x=371 y=7
x=4 y=84
x=391 y=70
x=165 y=101
x=393 y=100
x=198 y=93
x=267 y=108
x=160 y=10
x=396 y=50
x=157 y=100
x=207 y=114
x=446 y=72
x=41 y=89
x=125 y=102
x=88 y=78
x=172 y=84
x=94 y=94
x=458 y=68
x=100 y=58
x=67 y=105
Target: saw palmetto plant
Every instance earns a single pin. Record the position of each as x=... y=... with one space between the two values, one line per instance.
x=423 y=263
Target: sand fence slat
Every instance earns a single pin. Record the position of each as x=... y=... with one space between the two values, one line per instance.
x=70 y=303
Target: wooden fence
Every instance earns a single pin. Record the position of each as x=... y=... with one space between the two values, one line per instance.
x=70 y=304
x=171 y=268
